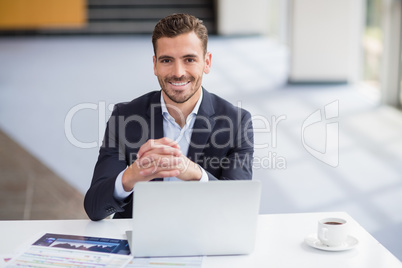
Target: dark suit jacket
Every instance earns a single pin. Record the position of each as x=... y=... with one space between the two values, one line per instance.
x=222 y=143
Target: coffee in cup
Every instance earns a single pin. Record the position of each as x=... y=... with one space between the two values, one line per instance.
x=332 y=232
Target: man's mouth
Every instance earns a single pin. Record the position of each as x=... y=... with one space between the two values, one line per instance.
x=178 y=84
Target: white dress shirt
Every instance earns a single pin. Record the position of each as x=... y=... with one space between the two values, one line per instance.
x=173 y=131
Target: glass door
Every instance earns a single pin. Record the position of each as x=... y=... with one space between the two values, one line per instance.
x=372 y=47
x=399 y=86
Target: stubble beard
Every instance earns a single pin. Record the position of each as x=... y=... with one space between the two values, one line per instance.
x=178 y=98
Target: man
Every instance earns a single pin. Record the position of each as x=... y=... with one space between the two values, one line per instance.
x=182 y=132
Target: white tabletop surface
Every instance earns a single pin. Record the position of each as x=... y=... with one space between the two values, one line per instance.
x=279 y=243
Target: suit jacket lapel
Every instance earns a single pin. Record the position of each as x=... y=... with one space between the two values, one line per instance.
x=203 y=126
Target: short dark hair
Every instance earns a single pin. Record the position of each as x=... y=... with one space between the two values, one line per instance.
x=176 y=24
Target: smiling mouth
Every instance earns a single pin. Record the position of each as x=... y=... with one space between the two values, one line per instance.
x=179 y=84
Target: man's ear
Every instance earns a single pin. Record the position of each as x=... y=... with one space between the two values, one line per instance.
x=208 y=58
x=154 y=61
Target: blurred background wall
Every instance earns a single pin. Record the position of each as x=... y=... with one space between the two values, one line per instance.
x=343 y=41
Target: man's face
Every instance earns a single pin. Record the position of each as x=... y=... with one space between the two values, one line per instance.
x=179 y=64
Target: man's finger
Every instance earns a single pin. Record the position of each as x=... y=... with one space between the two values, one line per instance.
x=160 y=172
x=158 y=161
x=151 y=144
x=161 y=150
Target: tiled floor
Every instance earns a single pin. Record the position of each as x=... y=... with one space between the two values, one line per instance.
x=56 y=94
x=31 y=191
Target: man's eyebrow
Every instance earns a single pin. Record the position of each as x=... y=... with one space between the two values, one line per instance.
x=165 y=57
x=190 y=56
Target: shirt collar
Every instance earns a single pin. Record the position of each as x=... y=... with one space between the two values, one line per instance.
x=194 y=111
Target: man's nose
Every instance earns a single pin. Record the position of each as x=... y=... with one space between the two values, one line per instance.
x=179 y=70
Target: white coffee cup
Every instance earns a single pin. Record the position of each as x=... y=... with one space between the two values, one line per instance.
x=332 y=232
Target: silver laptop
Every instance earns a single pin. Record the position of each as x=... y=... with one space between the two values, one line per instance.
x=193 y=218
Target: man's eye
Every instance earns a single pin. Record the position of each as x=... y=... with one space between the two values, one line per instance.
x=165 y=61
x=190 y=60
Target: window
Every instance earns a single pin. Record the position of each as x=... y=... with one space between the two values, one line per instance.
x=373 y=46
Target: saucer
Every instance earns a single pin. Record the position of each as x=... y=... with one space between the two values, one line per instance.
x=314 y=242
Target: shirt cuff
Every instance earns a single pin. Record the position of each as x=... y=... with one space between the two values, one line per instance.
x=204 y=176
x=119 y=192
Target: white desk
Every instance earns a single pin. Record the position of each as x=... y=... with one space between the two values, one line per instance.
x=280 y=242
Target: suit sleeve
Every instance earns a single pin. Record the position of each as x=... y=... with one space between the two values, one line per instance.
x=237 y=164
x=99 y=201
